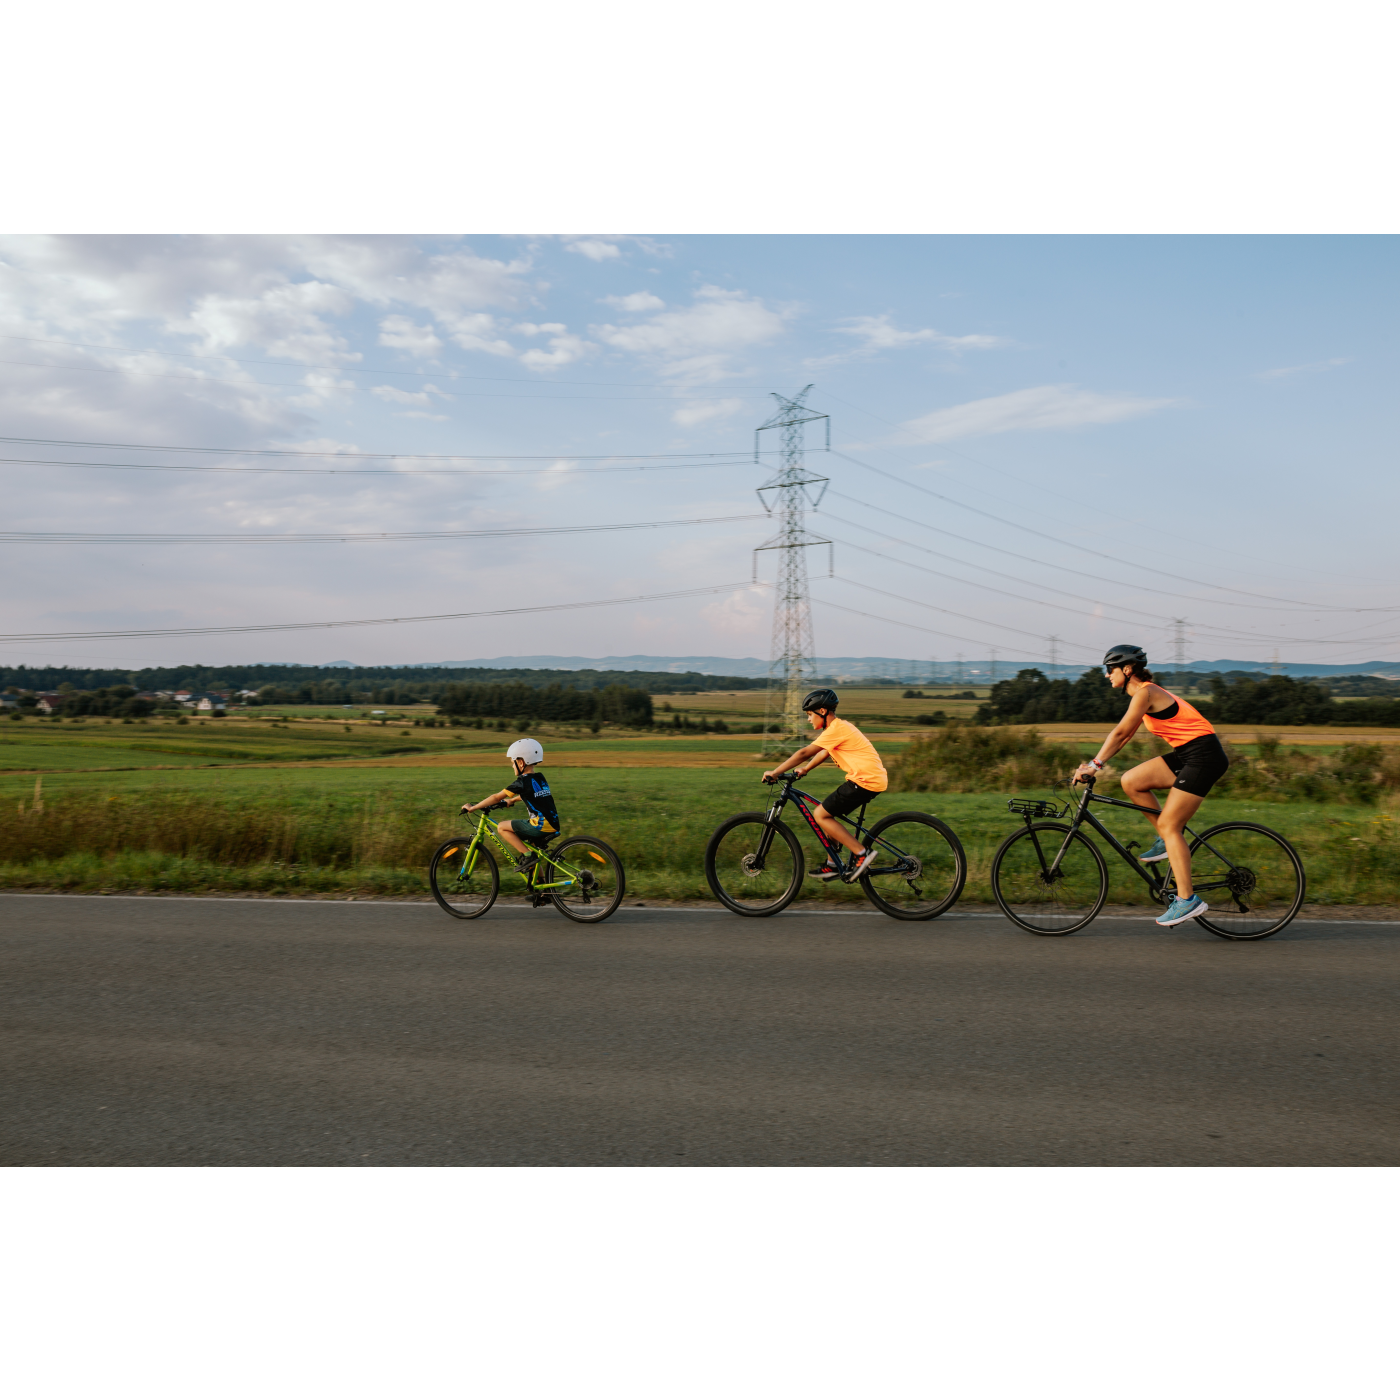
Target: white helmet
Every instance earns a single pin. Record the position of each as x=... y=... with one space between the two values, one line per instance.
x=530 y=750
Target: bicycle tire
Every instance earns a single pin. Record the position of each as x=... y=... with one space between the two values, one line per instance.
x=941 y=861
x=1017 y=889
x=577 y=902
x=473 y=895
x=1284 y=882
x=745 y=891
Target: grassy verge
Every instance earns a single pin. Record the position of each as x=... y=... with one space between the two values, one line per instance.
x=352 y=832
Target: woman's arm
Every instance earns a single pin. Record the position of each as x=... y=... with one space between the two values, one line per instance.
x=1120 y=734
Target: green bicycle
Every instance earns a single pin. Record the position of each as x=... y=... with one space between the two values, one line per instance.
x=581 y=876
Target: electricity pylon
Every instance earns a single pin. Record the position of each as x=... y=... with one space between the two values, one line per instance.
x=791 y=667
x=1179 y=646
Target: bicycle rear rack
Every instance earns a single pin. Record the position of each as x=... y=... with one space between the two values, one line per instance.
x=1033 y=807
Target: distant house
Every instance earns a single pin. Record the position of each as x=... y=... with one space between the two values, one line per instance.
x=185 y=697
x=49 y=704
x=9 y=702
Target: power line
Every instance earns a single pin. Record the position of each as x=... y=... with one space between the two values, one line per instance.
x=23 y=637
x=372 y=471
x=1127 y=563
x=380 y=456
x=350 y=537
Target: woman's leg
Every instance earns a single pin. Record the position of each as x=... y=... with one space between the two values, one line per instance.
x=1139 y=783
x=1179 y=809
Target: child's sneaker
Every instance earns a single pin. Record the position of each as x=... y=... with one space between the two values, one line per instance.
x=828 y=872
x=1155 y=852
x=525 y=864
x=863 y=863
x=1179 y=910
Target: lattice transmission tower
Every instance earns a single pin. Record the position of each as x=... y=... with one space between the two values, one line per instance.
x=791 y=668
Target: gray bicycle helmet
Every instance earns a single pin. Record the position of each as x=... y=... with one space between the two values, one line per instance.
x=821 y=700
x=1124 y=654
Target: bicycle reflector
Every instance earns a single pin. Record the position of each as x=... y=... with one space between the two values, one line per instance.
x=447 y=855
x=1031 y=807
x=597 y=857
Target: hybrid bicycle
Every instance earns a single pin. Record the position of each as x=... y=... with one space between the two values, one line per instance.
x=755 y=866
x=581 y=876
x=1052 y=880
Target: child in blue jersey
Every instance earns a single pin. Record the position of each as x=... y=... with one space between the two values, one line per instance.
x=529 y=787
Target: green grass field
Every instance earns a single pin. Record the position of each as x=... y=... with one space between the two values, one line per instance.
x=369 y=832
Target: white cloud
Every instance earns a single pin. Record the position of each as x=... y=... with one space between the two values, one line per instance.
x=878 y=333
x=742 y=614
x=595 y=249
x=1317 y=367
x=475 y=331
x=694 y=342
x=400 y=333
x=636 y=302
x=1051 y=406
x=702 y=410
x=564 y=348
x=285 y=321
x=391 y=394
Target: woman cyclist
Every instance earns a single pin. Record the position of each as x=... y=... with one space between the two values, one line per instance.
x=1196 y=763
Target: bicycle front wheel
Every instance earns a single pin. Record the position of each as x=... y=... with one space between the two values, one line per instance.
x=745 y=877
x=919 y=869
x=1251 y=878
x=1045 y=901
x=590 y=877
x=464 y=883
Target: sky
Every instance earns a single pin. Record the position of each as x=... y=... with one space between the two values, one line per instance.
x=1081 y=439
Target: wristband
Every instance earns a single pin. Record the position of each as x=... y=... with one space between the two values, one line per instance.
x=1096 y=765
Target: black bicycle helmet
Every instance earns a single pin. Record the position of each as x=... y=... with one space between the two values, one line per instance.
x=821 y=700
x=1124 y=655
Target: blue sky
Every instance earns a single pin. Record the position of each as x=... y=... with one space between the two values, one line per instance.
x=1161 y=427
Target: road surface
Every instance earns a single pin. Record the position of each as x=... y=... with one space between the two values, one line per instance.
x=149 y=1031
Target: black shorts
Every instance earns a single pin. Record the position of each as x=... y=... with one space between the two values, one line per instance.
x=532 y=834
x=1198 y=765
x=847 y=798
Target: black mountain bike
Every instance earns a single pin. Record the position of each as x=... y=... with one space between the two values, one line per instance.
x=1051 y=879
x=754 y=862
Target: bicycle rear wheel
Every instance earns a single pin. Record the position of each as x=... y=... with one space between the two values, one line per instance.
x=920 y=868
x=466 y=893
x=1253 y=873
x=1050 y=905
x=741 y=881
x=597 y=881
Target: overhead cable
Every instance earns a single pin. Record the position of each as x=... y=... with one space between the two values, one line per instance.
x=24 y=637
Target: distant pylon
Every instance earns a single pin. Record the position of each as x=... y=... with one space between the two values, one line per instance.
x=1054 y=656
x=994 y=665
x=1179 y=645
x=792 y=665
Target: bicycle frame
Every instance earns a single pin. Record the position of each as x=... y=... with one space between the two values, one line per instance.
x=834 y=851
x=485 y=828
x=1157 y=884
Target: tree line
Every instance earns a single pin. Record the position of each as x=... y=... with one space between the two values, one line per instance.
x=1032 y=698
x=613 y=704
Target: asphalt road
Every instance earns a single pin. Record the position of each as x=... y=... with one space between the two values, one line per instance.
x=261 y=1033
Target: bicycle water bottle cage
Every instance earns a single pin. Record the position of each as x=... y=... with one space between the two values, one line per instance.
x=1031 y=807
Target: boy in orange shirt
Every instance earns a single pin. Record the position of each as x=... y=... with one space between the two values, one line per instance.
x=854 y=754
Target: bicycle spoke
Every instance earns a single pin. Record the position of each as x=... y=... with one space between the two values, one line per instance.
x=1250 y=877
x=1043 y=896
x=745 y=880
x=919 y=868
x=584 y=878
x=464 y=882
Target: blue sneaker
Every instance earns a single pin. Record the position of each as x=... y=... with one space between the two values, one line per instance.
x=1155 y=852
x=1179 y=910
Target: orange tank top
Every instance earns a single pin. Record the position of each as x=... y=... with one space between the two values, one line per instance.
x=1179 y=723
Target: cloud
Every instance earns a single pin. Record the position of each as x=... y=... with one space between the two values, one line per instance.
x=745 y=613
x=564 y=348
x=694 y=342
x=703 y=410
x=400 y=333
x=593 y=248
x=1317 y=367
x=636 y=302
x=878 y=333
x=390 y=394
x=474 y=331
x=1051 y=406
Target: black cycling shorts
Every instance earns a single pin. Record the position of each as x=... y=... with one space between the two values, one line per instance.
x=1198 y=765
x=847 y=798
x=531 y=834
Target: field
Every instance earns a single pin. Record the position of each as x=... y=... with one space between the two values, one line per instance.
x=335 y=805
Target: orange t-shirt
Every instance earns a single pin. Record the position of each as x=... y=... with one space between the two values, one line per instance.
x=853 y=754
x=1178 y=724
